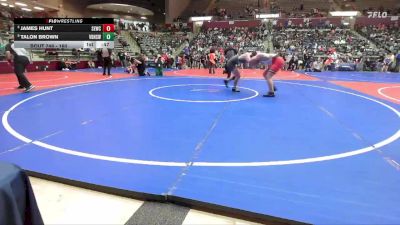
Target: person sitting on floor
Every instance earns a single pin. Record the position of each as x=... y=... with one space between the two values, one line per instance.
x=133 y=65
x=317 y=65
x=91 y=64
x=63 y=65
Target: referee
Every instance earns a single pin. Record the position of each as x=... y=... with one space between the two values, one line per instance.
x=107 y=63
x=20 y=57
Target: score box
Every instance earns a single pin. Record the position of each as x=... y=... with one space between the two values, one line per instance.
x=108 y=28
x=108 y=36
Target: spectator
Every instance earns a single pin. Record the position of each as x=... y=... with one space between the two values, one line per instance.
x=211 y=61
x=141 y=65
x=122 y=59
x=397 y=69
x=91 y=64
x=317 y=65
x=159 y=65
x=387 y=62
x=63 y=65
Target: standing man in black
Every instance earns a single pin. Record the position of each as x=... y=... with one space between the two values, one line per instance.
x=142 y=65
x=106 y=55
x=229 y=53
x=307 y=61
x=20 y=57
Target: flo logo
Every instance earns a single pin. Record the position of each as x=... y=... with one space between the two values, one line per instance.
x=377 y=14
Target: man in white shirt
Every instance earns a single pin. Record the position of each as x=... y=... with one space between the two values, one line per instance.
x=106 y=55
x=20 y=57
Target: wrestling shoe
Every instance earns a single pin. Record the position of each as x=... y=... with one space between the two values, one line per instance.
x=28 y=89
x=270 y=94
x=226 y=82
x=235 y=90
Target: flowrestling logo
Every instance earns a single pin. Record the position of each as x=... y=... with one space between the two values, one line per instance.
x=377 y=14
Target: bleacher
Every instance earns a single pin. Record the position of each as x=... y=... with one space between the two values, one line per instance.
x=318 y=42
x=385 y=38
x=301 y=8
x=152 y=44
x=4 y=36
x=238 y=9
x=245 y=39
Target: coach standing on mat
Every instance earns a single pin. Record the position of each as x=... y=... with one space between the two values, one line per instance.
x=106 y=55
x=21 y=60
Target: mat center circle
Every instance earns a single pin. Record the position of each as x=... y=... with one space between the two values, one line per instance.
x=201 y=93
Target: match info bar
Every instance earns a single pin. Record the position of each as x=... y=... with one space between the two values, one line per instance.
x=63 y=44
x=64 y=33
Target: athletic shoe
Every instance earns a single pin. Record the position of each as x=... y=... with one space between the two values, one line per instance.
x=270 y=94
x=226 y=83
x=235 y=90
x=29 y=88
x=19 y=87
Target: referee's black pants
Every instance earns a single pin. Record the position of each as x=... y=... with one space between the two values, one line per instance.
x=20 y=64
x=107 y=64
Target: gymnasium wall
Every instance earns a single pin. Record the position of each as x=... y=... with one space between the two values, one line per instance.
x=174 y=8
x=365 y=21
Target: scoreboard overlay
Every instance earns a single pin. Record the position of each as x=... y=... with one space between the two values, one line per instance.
x=68 y=33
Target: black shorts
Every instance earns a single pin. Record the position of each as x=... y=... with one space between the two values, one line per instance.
x=229 y=68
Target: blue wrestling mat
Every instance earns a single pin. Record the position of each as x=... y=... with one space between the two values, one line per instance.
x=317 y=153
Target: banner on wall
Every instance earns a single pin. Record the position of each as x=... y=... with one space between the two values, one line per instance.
x=179 y=25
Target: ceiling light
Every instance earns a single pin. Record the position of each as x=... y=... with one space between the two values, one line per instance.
x=3 y=0
x=143 y=17
x=344 y=13
x=11 y=6
x=26 y=9
x=201 y=18
x=21 y=4
x=265 y=16
x=4 y=4
x=38 y=8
